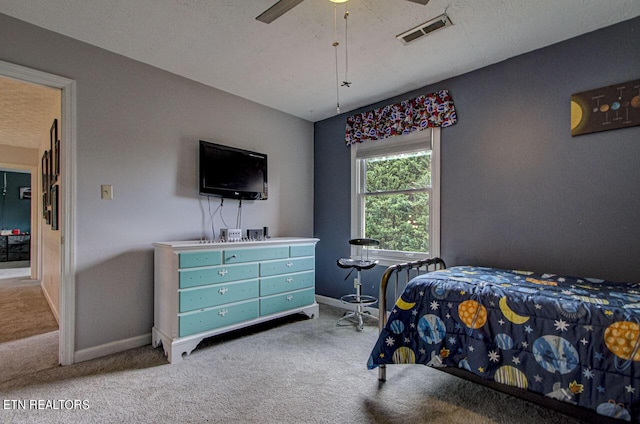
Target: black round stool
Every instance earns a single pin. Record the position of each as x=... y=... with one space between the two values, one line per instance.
x=358 y=300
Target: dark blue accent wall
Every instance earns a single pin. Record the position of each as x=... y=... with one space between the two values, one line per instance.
x=518 y=191
x=15 y=213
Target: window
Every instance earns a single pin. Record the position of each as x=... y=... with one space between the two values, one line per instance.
x=396 y=196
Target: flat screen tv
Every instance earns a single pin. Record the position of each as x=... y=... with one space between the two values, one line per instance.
x=232 y=173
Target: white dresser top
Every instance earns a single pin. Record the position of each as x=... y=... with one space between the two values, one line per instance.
x=207 y=244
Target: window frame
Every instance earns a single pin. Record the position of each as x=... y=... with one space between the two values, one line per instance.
x=418 y=140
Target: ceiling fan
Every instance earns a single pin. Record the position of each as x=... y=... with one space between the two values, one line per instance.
x=283 y=6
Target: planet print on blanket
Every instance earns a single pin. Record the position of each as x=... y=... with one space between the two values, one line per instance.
x=396 y=326
x=439 y=292
x=623 y=339
x=511 y=376
x=404 y=355
x=615 y=410
x=555 y=354
x=504 y=341
x=431 y=329
x=472 y=314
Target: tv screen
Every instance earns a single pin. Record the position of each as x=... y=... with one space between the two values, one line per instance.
x=234 y=173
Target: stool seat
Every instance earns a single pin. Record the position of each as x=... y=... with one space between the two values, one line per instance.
x=364 y=242
x=358 y=264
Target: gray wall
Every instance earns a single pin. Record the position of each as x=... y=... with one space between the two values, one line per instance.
x=138 y=129
x=517 y=190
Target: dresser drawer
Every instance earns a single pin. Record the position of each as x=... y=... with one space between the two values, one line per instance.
x=195 y=259
x=282 y=302
x=303 y=250
x=197 y=322
x=285 y=283
x=220 y=274
x=234 y=256
x=219 y=294
x=286 y=266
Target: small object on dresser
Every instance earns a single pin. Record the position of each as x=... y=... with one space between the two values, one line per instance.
x=256 y=234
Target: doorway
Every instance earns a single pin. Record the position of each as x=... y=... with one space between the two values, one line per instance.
x=15 y=221
x=64 y=263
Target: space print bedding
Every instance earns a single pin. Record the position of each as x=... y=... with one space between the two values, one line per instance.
x=576 y=340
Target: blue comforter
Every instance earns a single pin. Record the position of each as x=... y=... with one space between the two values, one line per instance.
x=572 y=339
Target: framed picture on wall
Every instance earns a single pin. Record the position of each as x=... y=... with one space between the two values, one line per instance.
x=56 y=157
x=53 y=164
x=54 y=207
x=45 y=172
x=606 y=108
x=45 y=200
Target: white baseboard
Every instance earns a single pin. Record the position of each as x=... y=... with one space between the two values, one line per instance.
x=337 y=303
x=111 y=348
x=52 y=306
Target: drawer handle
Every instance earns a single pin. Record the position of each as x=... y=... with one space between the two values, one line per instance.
x=290 y=297
x=289 y=264
x=223 y=290
x=223 y=272
x=223 y=312
x=289 y=279
x=232 y=257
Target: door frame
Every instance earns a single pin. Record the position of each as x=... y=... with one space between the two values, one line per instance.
x=66 y=346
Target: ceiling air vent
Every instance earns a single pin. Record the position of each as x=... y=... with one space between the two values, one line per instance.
x=423 y=29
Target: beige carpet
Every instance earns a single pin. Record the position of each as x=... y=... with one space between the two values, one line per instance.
x=24 y=311
x=290 y=371
x=24 y=357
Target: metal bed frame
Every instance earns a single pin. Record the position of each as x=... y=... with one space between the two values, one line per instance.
x=414 y=268
x=411 y=269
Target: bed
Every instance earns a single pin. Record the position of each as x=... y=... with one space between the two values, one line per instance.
x=556 y=340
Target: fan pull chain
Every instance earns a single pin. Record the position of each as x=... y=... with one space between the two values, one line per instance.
x=346 y=82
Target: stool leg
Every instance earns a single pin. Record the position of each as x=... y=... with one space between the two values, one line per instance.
x=359 y=305
x=357 y=301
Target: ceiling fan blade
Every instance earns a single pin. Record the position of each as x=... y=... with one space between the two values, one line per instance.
x=423 y=2
x=277 y=10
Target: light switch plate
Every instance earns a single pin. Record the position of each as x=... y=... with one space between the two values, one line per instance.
x=106 y=191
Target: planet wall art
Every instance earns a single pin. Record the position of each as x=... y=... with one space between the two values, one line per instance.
x=607 y=108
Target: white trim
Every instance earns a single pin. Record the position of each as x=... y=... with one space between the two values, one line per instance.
x=355 y=204
x=68 y=226
x=434 y=215
x=411 y=142
x=112 y=347
x=67 y=198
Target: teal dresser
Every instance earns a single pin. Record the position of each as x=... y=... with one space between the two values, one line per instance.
x=205 y=289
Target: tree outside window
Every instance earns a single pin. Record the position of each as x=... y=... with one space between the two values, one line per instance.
x=395 y=200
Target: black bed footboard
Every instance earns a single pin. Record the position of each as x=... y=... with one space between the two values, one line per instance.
x=397 y=273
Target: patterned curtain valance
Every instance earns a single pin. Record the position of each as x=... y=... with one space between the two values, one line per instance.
x=427 y=111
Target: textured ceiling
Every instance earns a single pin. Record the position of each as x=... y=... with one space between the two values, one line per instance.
x=290 y=64
x=26 y=113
